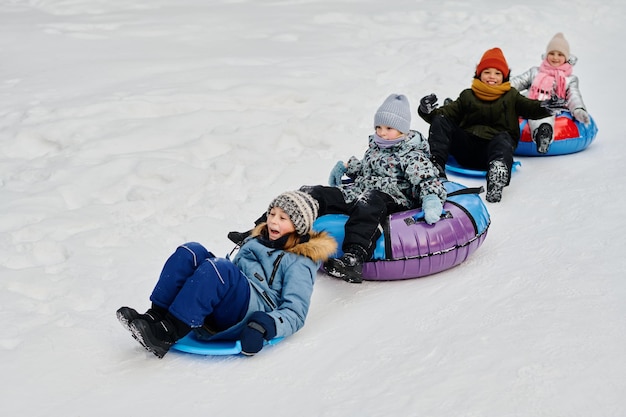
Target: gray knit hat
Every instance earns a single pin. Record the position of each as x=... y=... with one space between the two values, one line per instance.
x=301 y=208
x=394 y=112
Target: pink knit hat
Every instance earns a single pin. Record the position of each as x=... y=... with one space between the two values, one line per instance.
x=558 y=43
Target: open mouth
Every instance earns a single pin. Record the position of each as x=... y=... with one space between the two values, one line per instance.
x=274 y=232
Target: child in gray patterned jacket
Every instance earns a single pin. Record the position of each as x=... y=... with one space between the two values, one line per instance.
x=394 y=175
x=553 y=76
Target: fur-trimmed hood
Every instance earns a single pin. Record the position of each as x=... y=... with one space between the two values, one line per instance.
x=319 y=247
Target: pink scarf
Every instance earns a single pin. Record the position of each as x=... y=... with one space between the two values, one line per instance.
x=550 y=79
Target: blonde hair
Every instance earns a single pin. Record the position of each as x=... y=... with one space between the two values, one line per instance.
x=292 y=240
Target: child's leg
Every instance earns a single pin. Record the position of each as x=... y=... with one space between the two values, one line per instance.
x=440 y=136
x=501 y=148
x=330 y=199
x=534 y=124
x=180 y=266
x=177 y=269
x=363 y=227
x=542 y=133
x=470 y=151
x=216 y=282
x=362 y=230
x=500 y=155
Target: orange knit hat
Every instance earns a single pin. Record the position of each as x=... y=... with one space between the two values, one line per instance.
x=493 y=58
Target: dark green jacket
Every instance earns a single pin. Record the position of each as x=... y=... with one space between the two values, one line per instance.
x=485 y=119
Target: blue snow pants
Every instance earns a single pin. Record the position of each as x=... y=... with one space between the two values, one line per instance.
x=196 y=286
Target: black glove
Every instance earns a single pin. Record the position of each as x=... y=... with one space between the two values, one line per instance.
x=555 y=104
x=428 y=103
x=238 y=237
x=260 y=327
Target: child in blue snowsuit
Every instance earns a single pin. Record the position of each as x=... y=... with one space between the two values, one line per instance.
x=263 y=293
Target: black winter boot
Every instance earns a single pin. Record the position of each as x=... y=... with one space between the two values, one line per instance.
x=348 y=267
x=158 y=337
x=126 y=315
x=542 y=136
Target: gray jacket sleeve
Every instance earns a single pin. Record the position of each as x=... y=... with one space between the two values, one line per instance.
x=574 y=98
x=523 y=81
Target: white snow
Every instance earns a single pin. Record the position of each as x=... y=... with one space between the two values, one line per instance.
x=129 y=127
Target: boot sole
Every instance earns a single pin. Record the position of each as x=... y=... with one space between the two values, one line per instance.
x=543 y=145
x=141 y=332
x=543 y=138
x=496 y=181
x=345 y=274
x=125 y=316
x=494 y=195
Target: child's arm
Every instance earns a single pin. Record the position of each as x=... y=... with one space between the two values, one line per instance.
x=334 y=180
x=353 y=167
x=530 y=109
x=523 y=81
x=290 y=314
x=432 y=207
x=452 y=109
x=575 y=100
x=422 y=174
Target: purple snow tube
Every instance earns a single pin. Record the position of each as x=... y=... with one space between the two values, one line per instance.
x=411 y=248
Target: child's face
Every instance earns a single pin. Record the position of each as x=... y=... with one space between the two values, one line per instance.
x=388 y=133
x=556 y=58
x=492 y=76
x=279 y=224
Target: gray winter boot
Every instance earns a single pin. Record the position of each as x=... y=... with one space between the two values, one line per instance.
x=497 y=179
x=542 y=136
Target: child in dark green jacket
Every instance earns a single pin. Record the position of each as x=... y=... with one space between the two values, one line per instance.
x=481 y=127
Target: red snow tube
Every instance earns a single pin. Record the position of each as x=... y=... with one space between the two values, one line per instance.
x=570 y=136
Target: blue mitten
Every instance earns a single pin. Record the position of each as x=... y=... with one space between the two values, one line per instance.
x=335 y=175
x=431 y=204
x=260 y=327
